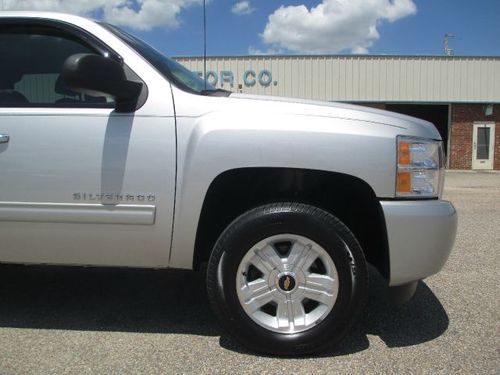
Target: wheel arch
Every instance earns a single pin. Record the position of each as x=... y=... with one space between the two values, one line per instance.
x=349 y=198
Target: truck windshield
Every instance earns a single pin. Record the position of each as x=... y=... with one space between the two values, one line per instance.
x=172 y=70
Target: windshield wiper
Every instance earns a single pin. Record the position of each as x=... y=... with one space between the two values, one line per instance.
x=216 y=92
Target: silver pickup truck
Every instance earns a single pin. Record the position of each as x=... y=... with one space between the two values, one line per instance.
x=112 y=154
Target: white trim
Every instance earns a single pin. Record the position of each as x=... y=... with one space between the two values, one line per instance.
x=483 y=163
x=448 y=141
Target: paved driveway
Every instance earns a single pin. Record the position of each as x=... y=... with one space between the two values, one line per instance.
x=56 y=320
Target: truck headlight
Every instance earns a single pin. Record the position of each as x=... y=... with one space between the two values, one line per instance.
x=420 y=170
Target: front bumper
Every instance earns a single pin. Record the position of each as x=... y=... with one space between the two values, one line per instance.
x=420 y=236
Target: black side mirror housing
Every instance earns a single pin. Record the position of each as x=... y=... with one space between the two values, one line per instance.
x=96 y=75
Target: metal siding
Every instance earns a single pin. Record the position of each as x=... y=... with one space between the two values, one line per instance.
x=389 y=88
x=494 y=76
x=365 y=78
x=342 y=80
x=348 y=79
x=335 y=92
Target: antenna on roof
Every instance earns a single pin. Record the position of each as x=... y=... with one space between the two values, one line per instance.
x=205 y=42
x=446 y=49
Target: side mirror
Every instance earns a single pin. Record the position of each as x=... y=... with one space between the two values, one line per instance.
x=97 y=75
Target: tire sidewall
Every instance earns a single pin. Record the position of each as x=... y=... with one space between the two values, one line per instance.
x=312 y=223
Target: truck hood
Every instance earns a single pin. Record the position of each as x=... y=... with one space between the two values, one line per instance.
x=313 y=108
x=263 y=106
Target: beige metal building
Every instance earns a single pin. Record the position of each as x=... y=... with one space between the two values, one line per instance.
x=460 y=95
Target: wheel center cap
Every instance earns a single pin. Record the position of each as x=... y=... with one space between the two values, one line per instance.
x=286 y=282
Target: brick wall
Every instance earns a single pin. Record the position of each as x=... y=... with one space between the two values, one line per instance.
x=496 y=162
x=462 y=118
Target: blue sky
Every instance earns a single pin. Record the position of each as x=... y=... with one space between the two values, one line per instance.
x=476 y=25
x=303 y=26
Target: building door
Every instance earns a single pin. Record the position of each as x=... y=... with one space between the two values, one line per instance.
x=482 y=145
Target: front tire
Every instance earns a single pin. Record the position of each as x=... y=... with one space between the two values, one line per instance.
x=287 y=279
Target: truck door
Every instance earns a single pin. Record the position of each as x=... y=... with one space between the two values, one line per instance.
x=80 y=183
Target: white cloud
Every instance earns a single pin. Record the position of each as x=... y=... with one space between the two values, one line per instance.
x=333 y=25
x=270 y=51
x=359 y=50
x=137 y=14
x=242 y=7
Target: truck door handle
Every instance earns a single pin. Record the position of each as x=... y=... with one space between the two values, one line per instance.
x=4 y=138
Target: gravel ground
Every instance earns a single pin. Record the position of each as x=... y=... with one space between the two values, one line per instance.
x=78 y=321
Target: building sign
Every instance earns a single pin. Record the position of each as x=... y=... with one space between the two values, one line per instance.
x=250 y=77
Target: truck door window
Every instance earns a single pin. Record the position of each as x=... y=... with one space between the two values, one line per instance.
x=31 y=63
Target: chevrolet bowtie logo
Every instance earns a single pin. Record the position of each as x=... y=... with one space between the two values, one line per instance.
x=287 y=282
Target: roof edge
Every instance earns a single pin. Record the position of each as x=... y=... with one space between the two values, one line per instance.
x=367 y=56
